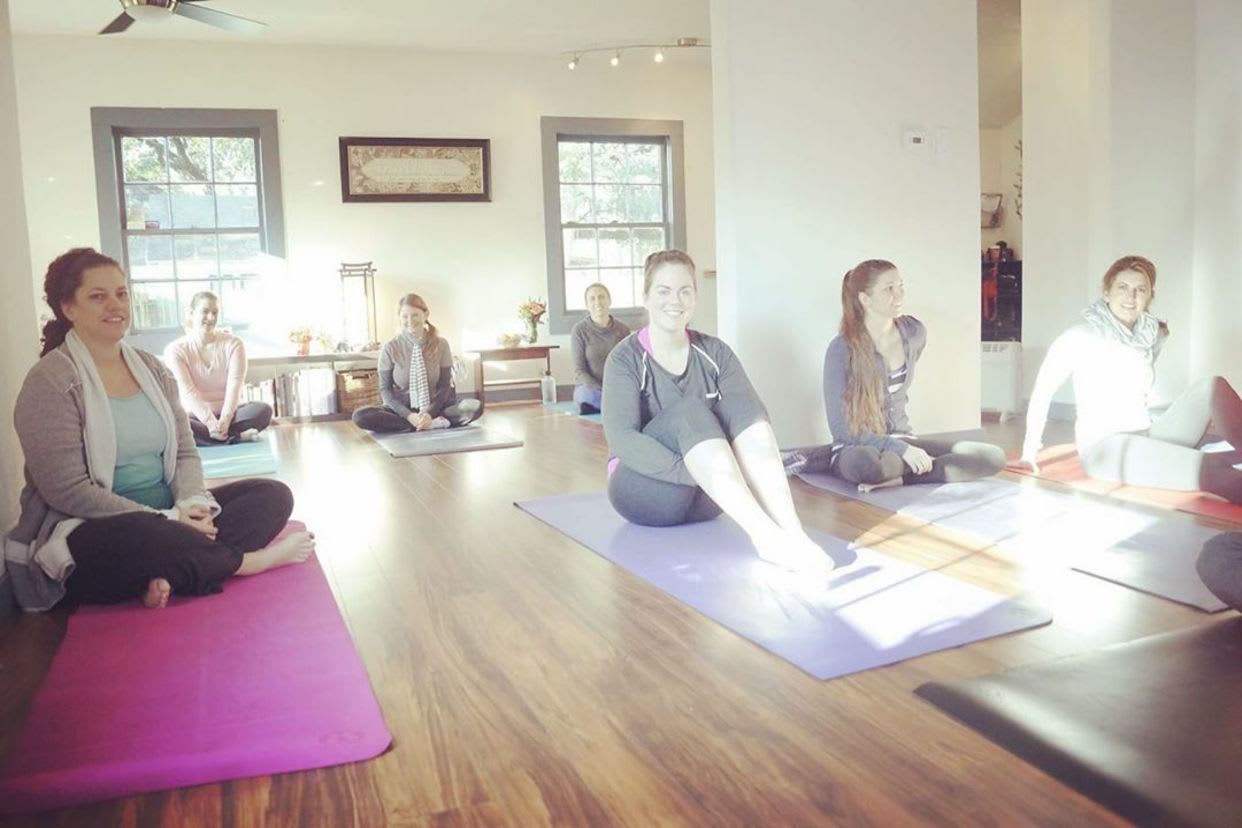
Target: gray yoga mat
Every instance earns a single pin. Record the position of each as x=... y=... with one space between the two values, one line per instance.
x=444 y=441
x=1153 y=552
x=872 y=611
x=571 y=408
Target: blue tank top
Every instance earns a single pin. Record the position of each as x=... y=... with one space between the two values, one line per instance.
x=140 y=441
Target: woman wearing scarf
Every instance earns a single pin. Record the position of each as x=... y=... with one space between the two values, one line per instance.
x=1111 y=358
x=114 y=506
x=416 y=378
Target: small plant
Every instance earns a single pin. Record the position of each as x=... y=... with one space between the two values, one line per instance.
x=532 y=310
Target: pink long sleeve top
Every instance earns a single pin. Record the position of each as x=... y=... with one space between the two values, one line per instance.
x=208 y=389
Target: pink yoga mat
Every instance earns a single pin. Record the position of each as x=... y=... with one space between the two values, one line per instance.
x=260 y=679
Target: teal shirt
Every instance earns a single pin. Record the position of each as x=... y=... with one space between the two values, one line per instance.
x=140 y=441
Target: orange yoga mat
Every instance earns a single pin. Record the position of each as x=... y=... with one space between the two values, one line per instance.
x=1060 y=463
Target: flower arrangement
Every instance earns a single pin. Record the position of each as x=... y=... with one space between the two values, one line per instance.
x=531 y=312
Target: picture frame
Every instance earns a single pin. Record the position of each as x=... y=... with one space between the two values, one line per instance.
x=415 y=169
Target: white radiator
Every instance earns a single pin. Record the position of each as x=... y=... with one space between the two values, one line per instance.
x=1002 y=378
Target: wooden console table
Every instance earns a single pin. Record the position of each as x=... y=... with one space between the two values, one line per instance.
x=543 y=352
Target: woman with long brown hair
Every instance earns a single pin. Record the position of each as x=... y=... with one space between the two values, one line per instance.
x=1111 y=358
x=868 y=371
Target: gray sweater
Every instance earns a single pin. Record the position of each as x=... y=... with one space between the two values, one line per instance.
x=590 y=346
x=836 y=375
x=637 y=388
x=49 y=417
x=393 y=373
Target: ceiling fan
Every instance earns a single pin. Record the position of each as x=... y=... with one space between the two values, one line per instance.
x=163 y=9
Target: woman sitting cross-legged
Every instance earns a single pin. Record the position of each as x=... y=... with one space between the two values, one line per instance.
x=1220 y=567
x=1111 y=358
x=210 y=368
x=114 y=506
x=592 y=340
x=868 y=371
x=688 y=434
x=416 y=378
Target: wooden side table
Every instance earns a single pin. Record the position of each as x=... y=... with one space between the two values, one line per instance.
x=521 y=352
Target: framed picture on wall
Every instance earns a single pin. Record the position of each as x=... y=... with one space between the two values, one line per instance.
x=416 y=169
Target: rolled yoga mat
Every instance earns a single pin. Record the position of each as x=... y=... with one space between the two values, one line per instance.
x=260 y=679
x=444 y=441
x=1061 y=464
x=1153 y=552
x=872 y=611
x=244 y=459
x=1149 y=728
x=572 y=409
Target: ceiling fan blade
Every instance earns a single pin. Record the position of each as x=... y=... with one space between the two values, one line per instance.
x=120 y=24
x=219 y=19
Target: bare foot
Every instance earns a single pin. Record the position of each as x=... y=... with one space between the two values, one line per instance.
x=794 y=551
x=292 y=548
x=157 y=593
x=863 y=488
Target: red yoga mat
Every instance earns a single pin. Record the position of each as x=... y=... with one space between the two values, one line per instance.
x=260 y=679
x=1061 y=464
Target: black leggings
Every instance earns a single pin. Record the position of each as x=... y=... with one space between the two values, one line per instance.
x=382 y=419
x=953 y=461
x=650 y=502
x=116 y=557
x=1220 y=567
x=256 y=415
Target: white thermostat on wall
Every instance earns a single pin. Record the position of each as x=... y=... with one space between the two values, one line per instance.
x=916 y=141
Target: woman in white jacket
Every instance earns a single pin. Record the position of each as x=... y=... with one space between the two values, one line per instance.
x=1111 y=359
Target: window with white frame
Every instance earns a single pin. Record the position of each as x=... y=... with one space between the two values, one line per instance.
x=194 y=208
x=613 y=195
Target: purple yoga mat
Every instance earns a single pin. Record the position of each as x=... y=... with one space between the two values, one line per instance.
x=1144 y=549
x=873 y=610
x=260 y=679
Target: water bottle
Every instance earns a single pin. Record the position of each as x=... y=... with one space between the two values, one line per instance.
x=547 y=388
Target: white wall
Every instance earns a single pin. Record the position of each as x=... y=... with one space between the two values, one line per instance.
x=1217 y=294
x=812 y=101
x=18 y=335
x=999 y=162
x=474 y=263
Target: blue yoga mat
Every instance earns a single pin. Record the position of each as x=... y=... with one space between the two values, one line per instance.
x=238 y=460
x=871 y=611
x=571 y=408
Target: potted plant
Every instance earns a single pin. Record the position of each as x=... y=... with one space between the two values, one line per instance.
x=531 y=312
x=302 y=338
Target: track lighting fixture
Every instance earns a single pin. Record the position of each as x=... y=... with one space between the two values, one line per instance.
x=658 y=55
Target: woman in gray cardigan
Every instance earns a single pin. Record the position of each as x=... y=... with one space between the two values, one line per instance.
x=591 y=341
x=114 y=506
x=868 y=371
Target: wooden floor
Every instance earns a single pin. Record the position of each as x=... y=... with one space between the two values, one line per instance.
x=527 y=681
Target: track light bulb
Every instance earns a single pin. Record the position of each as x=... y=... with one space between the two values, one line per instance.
x=573 y=63
x=659 y=56
x=615 y=60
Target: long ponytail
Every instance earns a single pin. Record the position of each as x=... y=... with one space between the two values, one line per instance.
x=864 y=385
x=62 y=280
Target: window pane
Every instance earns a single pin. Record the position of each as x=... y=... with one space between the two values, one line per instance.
x=193 y=205
x=189 y=158
x=580 y=248
x=637 y=283
x=608 y=203
x=239 y=254
x=620 y=282
x=239 y=300
x=575 y=161
x=237 y=205
x=146 y=207
x=644 y=164
x=142 y=159
x=234 y=159
x=644 y=202
x=196 y=257
x=150 y=257
x=153 y=305
x=576 y=204
x=648 y=240
x=614 y=246
x=576 y=282
x=609 y=161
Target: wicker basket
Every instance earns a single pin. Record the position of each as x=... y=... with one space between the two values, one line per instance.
x=356 y=388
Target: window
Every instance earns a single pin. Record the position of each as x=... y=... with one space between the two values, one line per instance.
x=193 y=208
x=613 y=195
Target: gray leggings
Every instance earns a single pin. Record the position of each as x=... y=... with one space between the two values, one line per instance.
x=680 y=427
x=1220 y=567
x=953 y=461
x=1167 y=456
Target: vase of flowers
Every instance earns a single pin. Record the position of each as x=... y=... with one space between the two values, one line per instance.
x=302 y=338
x=531 y=312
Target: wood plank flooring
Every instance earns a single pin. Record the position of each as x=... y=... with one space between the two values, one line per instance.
x=529 y=682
